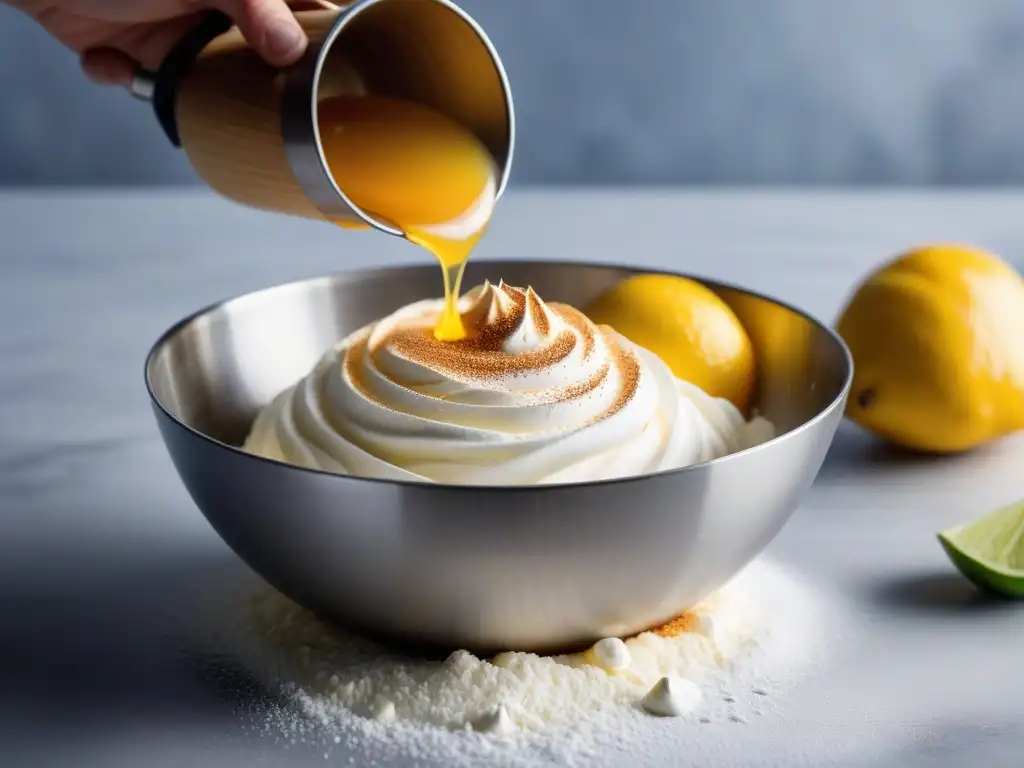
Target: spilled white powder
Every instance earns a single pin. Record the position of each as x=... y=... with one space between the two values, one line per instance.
x=754 y=637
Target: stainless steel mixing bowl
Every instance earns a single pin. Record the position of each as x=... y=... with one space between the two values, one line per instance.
x=526 y=568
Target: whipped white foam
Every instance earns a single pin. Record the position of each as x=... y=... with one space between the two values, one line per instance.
x=535 y=394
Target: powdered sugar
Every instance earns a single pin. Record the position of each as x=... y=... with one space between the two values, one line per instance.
x=754 y=636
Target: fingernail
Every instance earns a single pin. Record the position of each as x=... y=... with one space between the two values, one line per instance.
x=285 y=38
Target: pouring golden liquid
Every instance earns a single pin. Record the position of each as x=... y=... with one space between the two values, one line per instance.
x=418 y=171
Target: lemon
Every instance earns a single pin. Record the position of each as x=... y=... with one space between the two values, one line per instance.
x=688 y=326
x=990 y=551
x=936 y=337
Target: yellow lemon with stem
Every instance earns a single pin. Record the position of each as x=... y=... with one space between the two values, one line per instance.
x=937 y=337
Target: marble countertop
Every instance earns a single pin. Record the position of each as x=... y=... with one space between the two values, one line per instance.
x=98 y=539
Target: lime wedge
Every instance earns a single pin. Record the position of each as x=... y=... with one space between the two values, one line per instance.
x=990 y=550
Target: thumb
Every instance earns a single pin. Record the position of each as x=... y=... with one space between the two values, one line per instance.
x=269 y=26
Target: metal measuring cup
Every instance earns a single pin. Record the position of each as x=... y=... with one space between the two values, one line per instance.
x=250 y=130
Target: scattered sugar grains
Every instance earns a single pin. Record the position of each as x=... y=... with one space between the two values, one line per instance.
x=756 y=634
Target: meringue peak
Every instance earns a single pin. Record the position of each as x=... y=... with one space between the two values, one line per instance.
x=508 y=318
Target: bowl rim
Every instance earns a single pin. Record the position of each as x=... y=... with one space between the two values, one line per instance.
x=351 y=275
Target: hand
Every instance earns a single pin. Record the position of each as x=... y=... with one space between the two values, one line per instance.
x=112 y=37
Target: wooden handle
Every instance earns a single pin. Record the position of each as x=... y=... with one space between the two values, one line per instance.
x=229 y=121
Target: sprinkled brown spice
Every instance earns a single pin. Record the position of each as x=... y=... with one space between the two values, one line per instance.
x=578 y=322
x=466 y=360
x=490 y=337
x=488 y=333
x=628 y=366
x=518 y=295
x=354 y=371
x=480 y=355
x=684 y=622
x=576 y=391
x=536 y=310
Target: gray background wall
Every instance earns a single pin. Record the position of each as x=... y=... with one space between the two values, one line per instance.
x=644 y=91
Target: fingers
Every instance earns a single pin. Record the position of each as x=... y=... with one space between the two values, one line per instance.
x=269 y=26
x=108 y=66
x=149 y=44
x=113 y=62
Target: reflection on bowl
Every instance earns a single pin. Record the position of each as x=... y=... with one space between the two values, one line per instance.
x=525 y=568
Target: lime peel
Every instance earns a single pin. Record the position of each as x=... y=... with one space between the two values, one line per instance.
x=989 y=551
